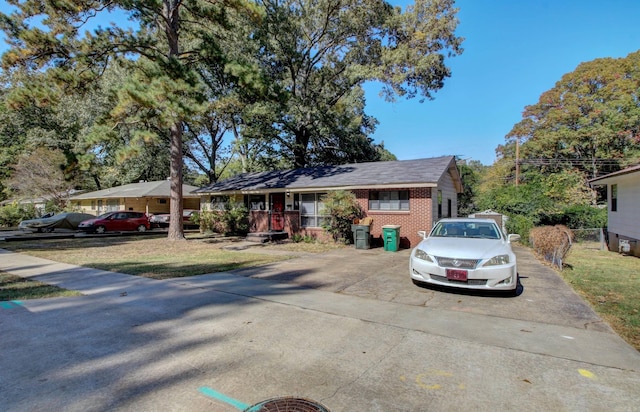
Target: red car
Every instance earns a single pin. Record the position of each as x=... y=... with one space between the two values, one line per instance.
x=116 y=222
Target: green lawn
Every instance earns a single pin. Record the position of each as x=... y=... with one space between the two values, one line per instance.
x=16 y=288
x=610 y=282
x=152 y=257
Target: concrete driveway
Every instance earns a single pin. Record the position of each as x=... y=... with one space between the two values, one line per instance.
x=346 y=329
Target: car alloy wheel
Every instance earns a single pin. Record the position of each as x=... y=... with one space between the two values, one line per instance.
x=101 y=229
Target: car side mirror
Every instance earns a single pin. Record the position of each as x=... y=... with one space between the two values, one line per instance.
x=422 y=234
x=514 y=237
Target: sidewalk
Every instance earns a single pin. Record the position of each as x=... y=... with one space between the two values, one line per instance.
x=345 y=328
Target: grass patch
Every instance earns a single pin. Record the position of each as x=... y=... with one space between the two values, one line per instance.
x=610 y=282
x=151 y=257
x=16 y=288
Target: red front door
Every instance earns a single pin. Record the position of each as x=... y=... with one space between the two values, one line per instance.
x=277 y=212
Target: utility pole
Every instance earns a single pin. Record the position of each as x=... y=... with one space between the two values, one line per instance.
x=517 y=161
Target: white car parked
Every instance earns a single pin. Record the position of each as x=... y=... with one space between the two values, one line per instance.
x=465 y=253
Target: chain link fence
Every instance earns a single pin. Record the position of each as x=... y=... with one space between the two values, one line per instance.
x=596 y=235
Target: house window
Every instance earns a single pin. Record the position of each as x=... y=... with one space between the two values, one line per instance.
x=255 y=202
x=449 y=208
x=614 y=198
x=311 y=206
x=439 y=204
x=113 y=205
x=389 y=200
x=93 y=205
x=162 y=201
x=99 y=206
x=219 y=202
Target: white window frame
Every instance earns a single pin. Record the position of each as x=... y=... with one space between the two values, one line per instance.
x=389 y=201
x=311 y=206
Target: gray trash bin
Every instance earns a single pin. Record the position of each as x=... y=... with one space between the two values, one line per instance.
x=361 y=235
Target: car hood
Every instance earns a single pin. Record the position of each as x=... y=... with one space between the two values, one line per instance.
x=464 y=248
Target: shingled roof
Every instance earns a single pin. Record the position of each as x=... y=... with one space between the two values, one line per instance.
x=605 y=178
x=399 y=173
x=161 y=188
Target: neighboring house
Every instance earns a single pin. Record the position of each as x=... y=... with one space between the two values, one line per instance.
x=410 y=193
x=500 y=219
x=39 y=203
x=148 y=197
x=623 y=194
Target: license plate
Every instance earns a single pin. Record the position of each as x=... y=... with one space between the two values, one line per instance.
x=457 y=274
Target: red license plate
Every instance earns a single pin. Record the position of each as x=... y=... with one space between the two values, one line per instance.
x=457 y=274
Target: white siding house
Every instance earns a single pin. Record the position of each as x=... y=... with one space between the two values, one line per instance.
x=623 y=205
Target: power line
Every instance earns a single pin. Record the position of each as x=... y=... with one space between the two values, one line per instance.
x=547 y=161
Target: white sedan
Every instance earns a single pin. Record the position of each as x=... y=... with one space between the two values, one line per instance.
x=465 y=253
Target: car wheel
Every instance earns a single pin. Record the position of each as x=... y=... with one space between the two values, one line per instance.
x=48 y=230
x=142 y=228
x=101 y=229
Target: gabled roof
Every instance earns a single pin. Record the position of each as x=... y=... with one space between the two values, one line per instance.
x=161 y=188
x=399 y=173
x=605 y=178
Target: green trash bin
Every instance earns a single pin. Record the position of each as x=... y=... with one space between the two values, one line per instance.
x=391 y=237
x=361 y=235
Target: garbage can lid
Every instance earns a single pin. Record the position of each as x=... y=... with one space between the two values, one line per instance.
x=391 y=226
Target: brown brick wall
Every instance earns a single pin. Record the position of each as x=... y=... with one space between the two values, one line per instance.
x=418 y=217
x=258 y=221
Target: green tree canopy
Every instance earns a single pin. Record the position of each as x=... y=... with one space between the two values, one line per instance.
x=170 y=38
x=317 y=54
x=589 y=120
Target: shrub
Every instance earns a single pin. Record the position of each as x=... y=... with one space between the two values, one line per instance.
x=552 y=242
x=12 y=214
x=342 y=208
x=298 y=238
x=236 y=219
x=232 y=220
x=521 y=225
x=578 y=217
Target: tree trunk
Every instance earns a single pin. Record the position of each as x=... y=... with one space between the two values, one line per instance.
x=176 y=230
x=300 y=148
x=171 y=11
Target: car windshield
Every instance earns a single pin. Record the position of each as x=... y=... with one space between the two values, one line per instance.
x=479 y=230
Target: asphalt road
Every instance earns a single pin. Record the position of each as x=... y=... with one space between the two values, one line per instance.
x=346 y=329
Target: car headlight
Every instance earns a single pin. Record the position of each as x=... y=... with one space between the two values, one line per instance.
x=421 y=254
x=498 y=260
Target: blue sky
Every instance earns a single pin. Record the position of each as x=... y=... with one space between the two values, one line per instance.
x=514 y=50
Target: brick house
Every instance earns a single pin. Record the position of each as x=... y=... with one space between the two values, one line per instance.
x=410 y=193
x=147 y=197
x=623 y=194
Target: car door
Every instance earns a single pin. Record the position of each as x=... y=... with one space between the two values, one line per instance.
x=119 y=222
x=132 y=220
